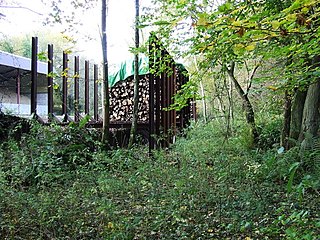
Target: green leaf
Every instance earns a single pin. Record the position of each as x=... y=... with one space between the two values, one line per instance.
x=84 y=121
x=42 y=56
x=292 y=172
x=305 y=10
x=225 y=7
x=275 y=25
x=291 y=17
x=239 y=48
x=161 y=22
x=203 y=20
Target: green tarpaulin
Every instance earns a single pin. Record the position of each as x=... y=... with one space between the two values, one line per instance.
x=126 y=69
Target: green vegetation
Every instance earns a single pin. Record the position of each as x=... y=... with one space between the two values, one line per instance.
x=56 y=183
x=250 y=170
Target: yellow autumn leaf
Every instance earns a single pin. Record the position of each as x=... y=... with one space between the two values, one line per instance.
x=68 y=38
x=183 y=208
x=237 y=23
x=210 y=47
x=238 y=46
x=251 y=47
x=272 y=88
x=291 y=17
x=305 y=10
x=203 y=20
x=275 y=24
x=110 y=225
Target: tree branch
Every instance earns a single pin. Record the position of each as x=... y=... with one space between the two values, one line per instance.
x=250 y=77
x=21 y=7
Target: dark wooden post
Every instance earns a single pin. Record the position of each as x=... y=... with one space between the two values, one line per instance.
x=95 y=93
x=151 y=112
x=86 y=88
x=65 y=86
x=167 y=98
x=50 y=81
x=151 y=92
x=18 y=86
x=34 y=75
x=164 y=91
x=170 y=101
x=173 y=92
x=157 y=58
x=76 y=89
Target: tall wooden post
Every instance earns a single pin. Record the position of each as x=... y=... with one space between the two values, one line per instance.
x=50 y=81
x=65 y=86
x=95 y=93
x=76 y=89
x=34 y=75
x=86 y=88
x=151 y=93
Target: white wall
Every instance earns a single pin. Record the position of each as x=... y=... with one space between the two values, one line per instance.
x=22 y=109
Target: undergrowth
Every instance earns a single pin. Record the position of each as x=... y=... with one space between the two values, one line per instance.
x=58 y=183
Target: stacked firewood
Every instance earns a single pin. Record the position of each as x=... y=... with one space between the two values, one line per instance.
x=121 y=100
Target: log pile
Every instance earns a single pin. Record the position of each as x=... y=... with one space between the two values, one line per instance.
x=121 y=100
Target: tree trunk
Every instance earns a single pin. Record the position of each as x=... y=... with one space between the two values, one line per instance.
x=228 y=111
x=133 y=131
x=310 y=121
x=204 y=105
x=286 y=122
x=246 y=105
x=296 y=116
x=106 y=118
x=202 y=94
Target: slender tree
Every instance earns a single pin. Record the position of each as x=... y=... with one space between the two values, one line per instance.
x=247 y=106
x=133 y=131
x=202 y=93
x=106 y=104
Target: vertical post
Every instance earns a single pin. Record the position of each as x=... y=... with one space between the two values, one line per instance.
x=18 y=86
x=151 y=92
x=189 y=108
x=173 y=92
x=157 y=105
x=34 y=75
x=95 y=92
x=164 y=114
x=185 y=112
x=86 y=88
x=64 y=85
x=50 y=81
x=170 y=95
x=151 y=112
x=76 y=89
x=167 y=97
x=18 y=89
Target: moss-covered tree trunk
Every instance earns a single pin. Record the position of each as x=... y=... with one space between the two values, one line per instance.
x=296 y=116
x=310 y=120
x=286 y=121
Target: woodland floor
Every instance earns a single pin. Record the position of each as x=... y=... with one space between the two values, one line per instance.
x=60 y=184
